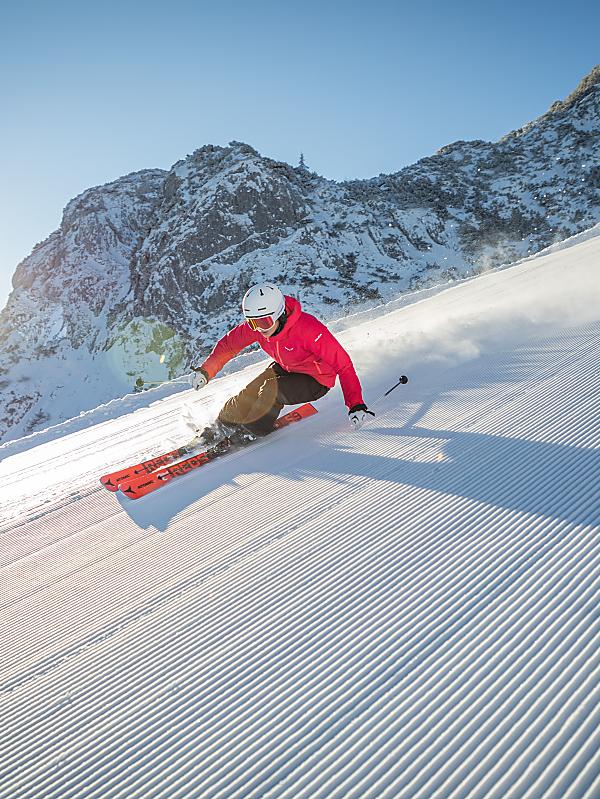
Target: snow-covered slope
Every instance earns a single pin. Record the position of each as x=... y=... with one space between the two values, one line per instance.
x=145 y=272
x=410 y=611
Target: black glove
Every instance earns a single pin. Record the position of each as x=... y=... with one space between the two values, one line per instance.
x=358 y=415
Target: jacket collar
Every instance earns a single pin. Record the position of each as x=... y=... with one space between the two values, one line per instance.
x=293 y=310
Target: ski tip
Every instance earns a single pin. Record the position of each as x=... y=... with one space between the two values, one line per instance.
x=129 y=490
x=108 y=482
x=134 y=489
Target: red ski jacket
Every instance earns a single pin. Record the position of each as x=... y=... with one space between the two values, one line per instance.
x=304 y=345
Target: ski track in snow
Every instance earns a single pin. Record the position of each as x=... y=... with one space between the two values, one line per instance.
x=410 y=612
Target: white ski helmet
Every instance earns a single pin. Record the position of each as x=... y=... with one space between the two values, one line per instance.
x=262 y=305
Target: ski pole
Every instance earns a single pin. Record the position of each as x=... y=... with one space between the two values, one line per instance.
x=140 y=382
x=402 y=380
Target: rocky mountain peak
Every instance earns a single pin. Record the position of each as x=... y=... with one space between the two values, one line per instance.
x=590 y=85
x=582 y=106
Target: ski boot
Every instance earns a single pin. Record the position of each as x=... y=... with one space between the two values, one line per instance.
x=235 y=434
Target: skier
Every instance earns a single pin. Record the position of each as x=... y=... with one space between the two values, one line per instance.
x=307 y=360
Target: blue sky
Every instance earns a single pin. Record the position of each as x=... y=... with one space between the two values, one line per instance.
x=90 y=92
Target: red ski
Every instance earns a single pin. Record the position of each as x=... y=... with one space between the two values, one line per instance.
x=111 y=481
x=135 y=485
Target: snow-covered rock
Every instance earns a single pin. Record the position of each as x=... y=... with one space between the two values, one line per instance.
x=145 y=272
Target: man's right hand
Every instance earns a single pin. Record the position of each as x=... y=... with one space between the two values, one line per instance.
x=200 y=378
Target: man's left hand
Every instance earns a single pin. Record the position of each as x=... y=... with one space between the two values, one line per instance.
x=358 y=415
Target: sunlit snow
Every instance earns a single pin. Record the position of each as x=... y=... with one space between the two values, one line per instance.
x=407 y=611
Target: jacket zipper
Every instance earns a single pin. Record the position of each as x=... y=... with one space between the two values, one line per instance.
x=279 y=356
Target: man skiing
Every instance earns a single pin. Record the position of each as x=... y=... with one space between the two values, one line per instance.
x=307 y=360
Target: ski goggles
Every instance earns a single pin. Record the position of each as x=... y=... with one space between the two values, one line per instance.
x=261 y=322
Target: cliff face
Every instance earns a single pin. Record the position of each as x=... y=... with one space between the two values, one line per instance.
x=219 y=206
x=145 y=272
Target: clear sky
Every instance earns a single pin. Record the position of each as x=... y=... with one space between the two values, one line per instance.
x=92 y=91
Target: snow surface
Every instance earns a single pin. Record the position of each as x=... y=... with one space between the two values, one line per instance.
x=406 y=611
